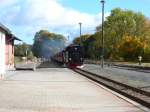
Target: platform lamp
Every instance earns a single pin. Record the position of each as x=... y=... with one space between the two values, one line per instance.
x=80 y=24
x=102 y=53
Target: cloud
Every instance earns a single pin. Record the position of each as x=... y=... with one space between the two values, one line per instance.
x=29 y=16
x=6 y=3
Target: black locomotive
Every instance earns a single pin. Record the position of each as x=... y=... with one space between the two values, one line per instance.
x=71 y=56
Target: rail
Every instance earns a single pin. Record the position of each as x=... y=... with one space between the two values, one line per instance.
x=140 y=96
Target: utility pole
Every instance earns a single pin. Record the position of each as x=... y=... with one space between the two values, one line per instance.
x=102 y=53
x=80 y=24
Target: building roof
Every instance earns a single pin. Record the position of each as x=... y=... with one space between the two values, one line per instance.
x=13 y=37
x=8 y=32
x=4 y=28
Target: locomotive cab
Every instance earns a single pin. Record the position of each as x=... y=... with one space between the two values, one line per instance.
x=71 y=56
x=74 y=56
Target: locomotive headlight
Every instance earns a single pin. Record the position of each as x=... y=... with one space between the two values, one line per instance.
x=76 y=48
x=70 y=59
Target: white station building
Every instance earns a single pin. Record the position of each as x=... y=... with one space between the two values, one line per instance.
x=6 y=49
x=2 y=51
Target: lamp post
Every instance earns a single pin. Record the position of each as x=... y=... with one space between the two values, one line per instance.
x=102 y=53
x=80 y=24
x=68 y=38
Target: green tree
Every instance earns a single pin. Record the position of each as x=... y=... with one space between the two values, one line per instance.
x=21 y=49
x=47 y=44
x=119 y=27
x=82 y=39
x=121 y=23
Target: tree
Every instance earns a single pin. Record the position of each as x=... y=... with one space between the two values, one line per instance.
x=126 y=35
x=130 y=48
x=83 y=38
x=121 y=23
x=21 y=49
x=47 y=44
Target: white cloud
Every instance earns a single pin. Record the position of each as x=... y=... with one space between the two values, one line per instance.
x=6 y=3
x=34 y=15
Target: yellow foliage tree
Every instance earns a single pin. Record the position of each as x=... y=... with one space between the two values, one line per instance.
x=131 y=47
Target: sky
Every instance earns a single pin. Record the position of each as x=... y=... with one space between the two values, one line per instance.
x=26 y=17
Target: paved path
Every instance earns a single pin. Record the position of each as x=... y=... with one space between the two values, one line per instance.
x=57 y=90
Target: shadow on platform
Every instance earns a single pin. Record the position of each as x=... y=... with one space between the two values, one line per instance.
x=50 y=64
x=26 y=66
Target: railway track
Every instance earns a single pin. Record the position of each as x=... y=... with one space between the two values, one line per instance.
x=138 y=95
x=134 y=68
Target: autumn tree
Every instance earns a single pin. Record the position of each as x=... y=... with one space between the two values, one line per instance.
x=130 y=48
x=125 y=22
x=126 y=33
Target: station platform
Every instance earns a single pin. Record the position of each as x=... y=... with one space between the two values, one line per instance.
x=58 y=90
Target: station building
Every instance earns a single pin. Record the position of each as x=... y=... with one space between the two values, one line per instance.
x=6 y=49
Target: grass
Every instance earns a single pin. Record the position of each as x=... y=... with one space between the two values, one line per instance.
x=134 y=63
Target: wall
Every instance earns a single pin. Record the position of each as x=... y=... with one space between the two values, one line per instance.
x=2 y=54
x=9 y=53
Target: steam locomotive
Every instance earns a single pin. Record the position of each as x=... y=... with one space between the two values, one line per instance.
x=71 y=56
